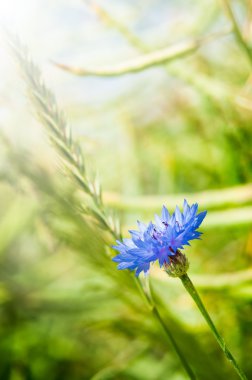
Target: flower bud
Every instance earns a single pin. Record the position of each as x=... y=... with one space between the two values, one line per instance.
x=178 y=265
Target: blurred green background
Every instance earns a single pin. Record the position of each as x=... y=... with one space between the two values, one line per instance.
x=181 y=129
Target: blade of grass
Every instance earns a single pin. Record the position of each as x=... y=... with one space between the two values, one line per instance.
x=232 y=196
x=221 y=219
x=236 y=29
x=216 y=282
x=52 y=119
x=148 y=60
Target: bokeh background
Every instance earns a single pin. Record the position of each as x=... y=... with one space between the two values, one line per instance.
x=180 y=129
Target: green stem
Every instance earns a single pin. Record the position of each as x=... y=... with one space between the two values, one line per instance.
x=236 y=29
x=151 y=304
x=194 y=294
x=149 y=296
x=174 y=344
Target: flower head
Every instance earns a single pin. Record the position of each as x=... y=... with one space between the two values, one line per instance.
x=160 y=241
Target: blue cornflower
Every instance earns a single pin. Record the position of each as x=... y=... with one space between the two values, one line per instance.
x=160 y=241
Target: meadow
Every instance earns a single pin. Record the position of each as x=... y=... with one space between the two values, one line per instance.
x=140 y=105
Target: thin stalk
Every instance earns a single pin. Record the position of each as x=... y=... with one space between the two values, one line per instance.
x=239 y=37
x=60 y=134
x=225 y=281
x=195 y=296
x=54 y=122
x=174 y=344
x=147 y=60
x=147 y=295
x=112 y=22
x=231 y=196
x=143 y=62
x=234 y=217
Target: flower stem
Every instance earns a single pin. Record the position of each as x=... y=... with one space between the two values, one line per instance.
x=147 y=293
x=174 y=344
x=194 y=294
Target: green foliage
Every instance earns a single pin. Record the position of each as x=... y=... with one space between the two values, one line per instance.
x=65 y=311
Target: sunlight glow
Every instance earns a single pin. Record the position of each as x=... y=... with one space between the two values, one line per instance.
x=15 y=14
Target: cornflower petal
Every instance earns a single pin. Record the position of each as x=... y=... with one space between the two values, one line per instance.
x=126 y=265
x=160 y=226
x=142 y=226
x=165 y=215
x=160 y=241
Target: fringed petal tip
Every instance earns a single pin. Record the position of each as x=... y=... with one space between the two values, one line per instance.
x=160 y=241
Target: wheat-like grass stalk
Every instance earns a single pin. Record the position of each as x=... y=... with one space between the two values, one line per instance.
x=59 y=132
